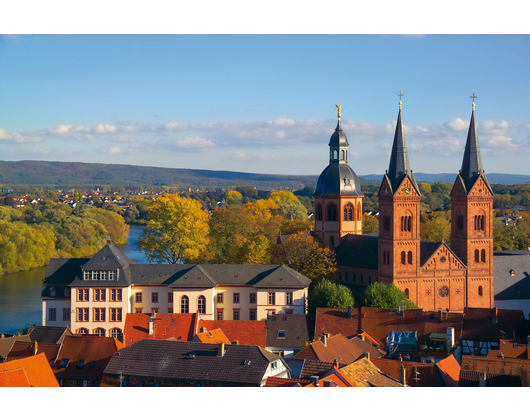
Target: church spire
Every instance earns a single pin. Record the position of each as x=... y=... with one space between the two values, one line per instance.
x=472 y=162
x=399 y=160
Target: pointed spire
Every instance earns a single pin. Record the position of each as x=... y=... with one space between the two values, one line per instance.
x=472 y=162
x=399 y=160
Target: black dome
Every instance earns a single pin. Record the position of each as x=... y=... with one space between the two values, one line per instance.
x=338 y=180
x=338 y=138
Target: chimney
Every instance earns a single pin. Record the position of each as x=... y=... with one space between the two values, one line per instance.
x=495 y=315
x=349 y=312
x=203 y=329
x=336 y=363
x=36 y=347
x=221 y=350
x=366 y=355
x=151 y=326
x=328 y=384
x=402 y=375
x=314 y=380
x=324 y=339
x=3 y=336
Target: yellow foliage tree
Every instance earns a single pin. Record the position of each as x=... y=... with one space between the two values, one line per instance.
x=234 y=197
x=177 y=230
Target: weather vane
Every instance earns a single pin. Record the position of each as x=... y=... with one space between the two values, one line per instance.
x=339 y=108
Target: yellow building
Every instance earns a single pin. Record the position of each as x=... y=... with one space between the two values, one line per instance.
x=93 y=296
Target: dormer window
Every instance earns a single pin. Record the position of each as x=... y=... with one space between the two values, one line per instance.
x=86 y=275
x=66 y=292
x=103 y=275
x=52 y=292
x=512 y=273
x=95 y=275
x=112 y=275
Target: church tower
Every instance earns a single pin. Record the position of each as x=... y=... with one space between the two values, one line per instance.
x=338 y=196
x=472 y=222
x=399 y=217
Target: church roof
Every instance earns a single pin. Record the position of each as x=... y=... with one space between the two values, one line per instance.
x=338 y=179
x=358 y=251
x=338 y=138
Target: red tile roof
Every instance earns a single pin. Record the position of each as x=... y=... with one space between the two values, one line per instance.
x=416 y=374
x=450 y=370
x=182 y=327
x=272 y=381
x=14 y=378
x=337 y=348
x=249 y=333
x=213 y=336
x=364 y=373
x=36 y=369
x=337 y=379
x=512 y=349
x=23 y=349
x=335 y=321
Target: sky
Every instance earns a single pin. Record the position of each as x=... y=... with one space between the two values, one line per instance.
x=263 y=103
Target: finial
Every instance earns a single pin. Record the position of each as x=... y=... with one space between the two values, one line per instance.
x=473 y=97
x=339 y=108
x=400 y=96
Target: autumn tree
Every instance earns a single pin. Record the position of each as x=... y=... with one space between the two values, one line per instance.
x=307 y=256
x=329 y=295
x=289 y=206
x=370 y=224
x=234 y=197
x=177 y=230
x=437 y=227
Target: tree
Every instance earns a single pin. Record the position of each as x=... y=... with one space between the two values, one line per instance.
x=436 y=227
x=177 y=230
x=386 y=296
x=234 y=197
x=329 y=295
x=370 y=224
x=303 y=254
x=288 y=205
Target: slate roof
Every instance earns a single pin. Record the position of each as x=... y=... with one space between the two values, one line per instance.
x=363 y=373
x=428 y=374
x=23 y=349
x=182 y=327
x=338 y=179
x=507 y=286
x=358 y=251
x=47 y=334
x=337 y=348
x=36 y=369
x=247 y=333
x=478 y=324
x=299 y=330
x=172 y=360
x=449 y=370
x=107 y=258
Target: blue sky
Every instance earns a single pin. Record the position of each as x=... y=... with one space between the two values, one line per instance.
x=263 y=103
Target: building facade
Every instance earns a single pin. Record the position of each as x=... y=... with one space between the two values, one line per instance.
x=93 y=296
x=433 y=275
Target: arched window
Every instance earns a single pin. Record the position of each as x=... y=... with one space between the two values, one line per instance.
x=342 y=154
x=409 y=257
x=116 y=333
x=407 y=293
x=335 y=154
x=83 y=331
x=184 y=305
x=384 y=257
x=52 y=291
x=483 y=255
x=358 y=212
x=332 y=213
x=406 y=223
x=319 y=211
x=201 y=304
x=480 y=290
x=348 y=212
x=100 y=332
x=403 y=257
x=479 y=223
x=476 y=256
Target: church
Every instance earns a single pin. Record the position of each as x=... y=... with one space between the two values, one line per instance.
x=433 y=275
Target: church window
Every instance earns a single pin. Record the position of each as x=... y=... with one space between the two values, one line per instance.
x=480 y=291
x=406 y=223
x=342 y=154
x=358 y=212
x=407 y=293
x=348 y=212
x=479 y=223
x=332 y=213
x=319 y=211
x=335 y=154
x=403 y=257
x=387 y=223
x=409 y=257
x=476 y=256
x=483 y=255
x=460 y=222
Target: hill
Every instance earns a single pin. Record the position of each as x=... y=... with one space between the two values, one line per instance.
x=76 y=175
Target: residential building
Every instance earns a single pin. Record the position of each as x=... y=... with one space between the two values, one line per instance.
x=331 y=349
x=288 y=334
x=512 y=281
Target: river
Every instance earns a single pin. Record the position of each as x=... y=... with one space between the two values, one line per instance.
x=20 y=302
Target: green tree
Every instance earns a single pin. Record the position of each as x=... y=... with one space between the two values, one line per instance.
x=370 y=224
x=386 y=296
x=177 y=230
x=436 y=227
x=288 y=205
x=329 y=295
x=114 y=223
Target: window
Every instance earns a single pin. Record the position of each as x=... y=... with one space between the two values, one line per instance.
x=280 y=334
x=342 y=154
x=406 y=223
x=252 y=298
x=112 y=275
x=92 y=363
x=235 y=316
x=82 y=295
x=82 y=315
x=81 y=363
x=479 y=223
x=142 y=383
x=83 y=331
x=138 y=310
x=387 y=223
x=52 y=314
x=66 y=292
x=66 y=314
x=236 y=297
x=288 y=312
x=52 y=292
x=274 y=365
x=252 y=315
x=289 y=298
x=100 y=295
x=332 y=213
x=219 y=314
x=409 y=257
x=476 y=255
x=154 y=297
x=480 y=290
x=348 y=212
x=184 y=305
x=219 y=298
x=100 y=332
x=115 y=295
x=65 y=362
x=201 y=304
x=460 y=222
x=271 y=311
x=407 y=293
x=272 y=298
x=170 y=297
x=483 y=255
x=138 y=297
x=95 y=275
x=154 y=311
x=403 y=257
x=319 y=212
x=115 y=314
x=103 y=275
x=116 y=333
x=99 y=314
x=86 y=275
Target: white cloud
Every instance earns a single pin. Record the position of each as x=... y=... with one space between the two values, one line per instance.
x=194 y=142
x=105 y=128
x=240 y=156
x=456 y=124
x=115 y=150
x=174 y=126
x=60 y=129
x=500 y=141
x=283 y=122
x=2 y=133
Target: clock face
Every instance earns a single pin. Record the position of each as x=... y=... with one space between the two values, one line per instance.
x=443 y=291
x=406 y=190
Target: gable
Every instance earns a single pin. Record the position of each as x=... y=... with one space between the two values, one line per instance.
x=386 y=187
x=407 y=188
x=442 y=258
x=458 y=187
x=480 y=188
